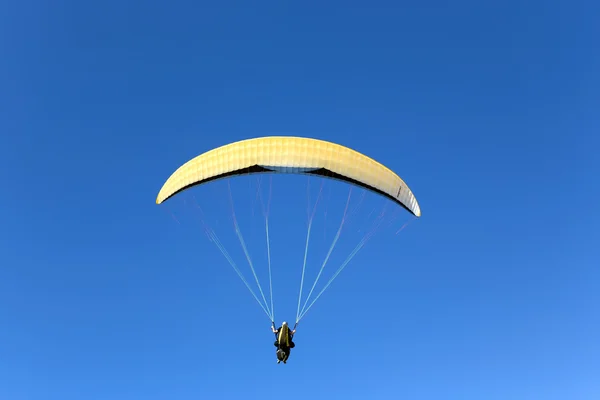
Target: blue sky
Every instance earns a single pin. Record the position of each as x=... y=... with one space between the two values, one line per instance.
x=489 y=112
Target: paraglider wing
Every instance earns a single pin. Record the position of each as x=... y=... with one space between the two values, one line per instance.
x=297 y=155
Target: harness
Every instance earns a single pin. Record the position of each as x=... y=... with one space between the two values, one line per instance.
x=280 y=335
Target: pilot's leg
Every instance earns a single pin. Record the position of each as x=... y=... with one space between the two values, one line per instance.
x=286 y=356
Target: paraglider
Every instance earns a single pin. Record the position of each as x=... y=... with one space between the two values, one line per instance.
x=289 y=155
x=283 y=341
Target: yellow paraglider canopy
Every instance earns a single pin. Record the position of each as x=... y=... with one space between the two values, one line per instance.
x=283 y=154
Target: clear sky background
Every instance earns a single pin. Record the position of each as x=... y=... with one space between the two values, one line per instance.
x=488 y=111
